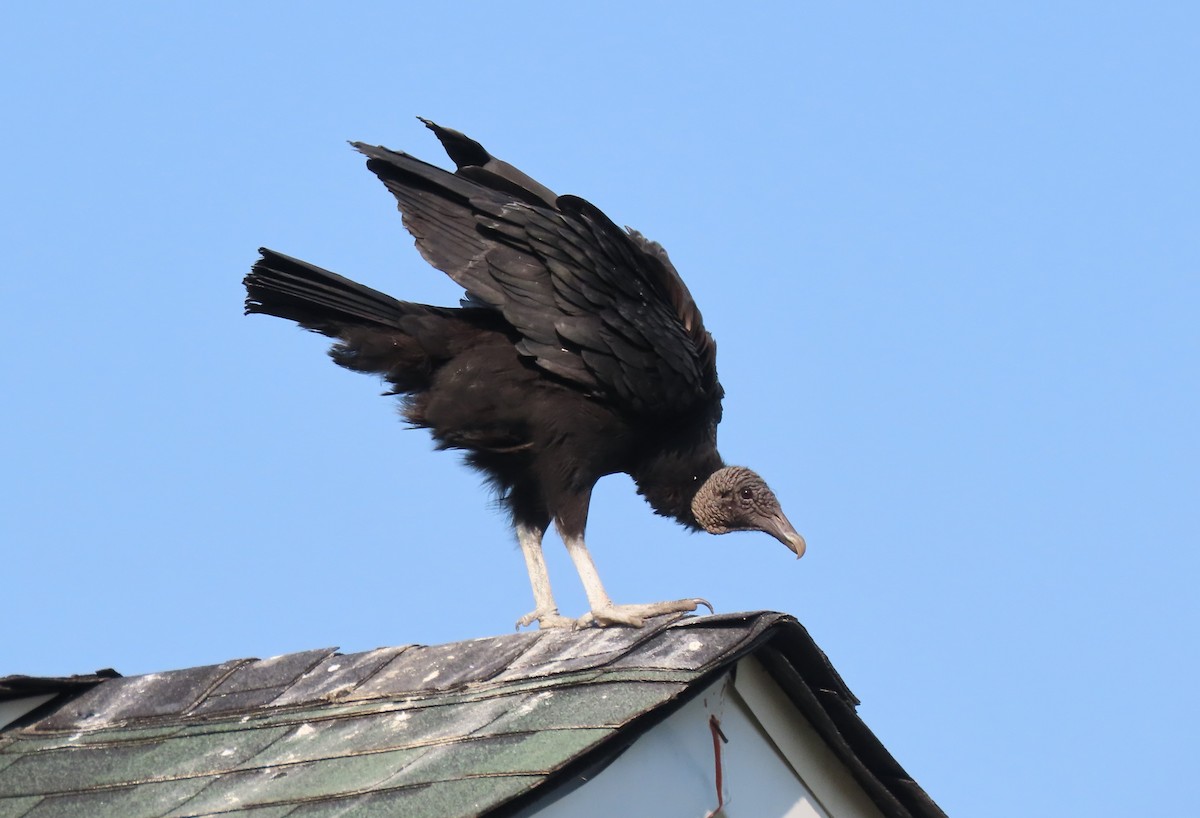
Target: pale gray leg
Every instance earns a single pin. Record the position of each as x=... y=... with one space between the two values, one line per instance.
x=604 y=612
x=545 y=611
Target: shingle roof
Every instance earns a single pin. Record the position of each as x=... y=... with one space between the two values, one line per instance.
x=468 y=728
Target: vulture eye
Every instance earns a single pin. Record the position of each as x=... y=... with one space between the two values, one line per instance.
x=747 y=494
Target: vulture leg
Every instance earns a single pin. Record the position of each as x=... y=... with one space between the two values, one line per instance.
x=545 y=611
x=604 y=612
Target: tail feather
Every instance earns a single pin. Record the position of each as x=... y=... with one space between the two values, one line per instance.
x=399 y=340
x=317 y=299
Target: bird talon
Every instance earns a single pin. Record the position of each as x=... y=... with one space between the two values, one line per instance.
x=545 y=619
x=609 y=617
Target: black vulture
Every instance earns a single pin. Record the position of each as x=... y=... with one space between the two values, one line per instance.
x=577 y=353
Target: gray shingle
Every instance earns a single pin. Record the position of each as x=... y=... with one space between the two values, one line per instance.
x=424 y=670
x=337 y=676
x=273 y=673
x=133 y=698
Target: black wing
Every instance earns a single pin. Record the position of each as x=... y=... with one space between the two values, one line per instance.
x=600 y=307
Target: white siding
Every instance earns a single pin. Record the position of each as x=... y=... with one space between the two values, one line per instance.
x=13 y=709
x=798 y=744
x=773 y=766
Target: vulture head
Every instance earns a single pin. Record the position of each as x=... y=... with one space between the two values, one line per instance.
x=736 y=499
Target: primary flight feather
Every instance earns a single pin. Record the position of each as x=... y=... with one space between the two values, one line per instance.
x=578 y=352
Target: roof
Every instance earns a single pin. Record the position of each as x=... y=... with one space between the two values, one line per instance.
x=481 y=727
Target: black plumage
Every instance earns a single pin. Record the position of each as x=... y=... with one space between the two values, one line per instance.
x=577 y=352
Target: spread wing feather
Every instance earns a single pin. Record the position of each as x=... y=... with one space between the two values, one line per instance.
x=598 y=306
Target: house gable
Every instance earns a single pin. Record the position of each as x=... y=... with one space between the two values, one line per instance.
x=741 y=730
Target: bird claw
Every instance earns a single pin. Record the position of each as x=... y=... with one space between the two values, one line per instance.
x=634 y=616
x=546 y=619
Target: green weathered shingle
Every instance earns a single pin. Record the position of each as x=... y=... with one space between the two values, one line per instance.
x=446 y=730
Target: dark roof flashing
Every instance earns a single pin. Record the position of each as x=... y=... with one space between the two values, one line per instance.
x=20 y=686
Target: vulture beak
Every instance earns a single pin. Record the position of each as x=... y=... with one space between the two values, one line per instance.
x=778 y=527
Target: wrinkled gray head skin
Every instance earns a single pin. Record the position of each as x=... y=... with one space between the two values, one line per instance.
x=736 y=499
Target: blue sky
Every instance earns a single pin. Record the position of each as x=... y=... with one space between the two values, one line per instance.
x=950 y=254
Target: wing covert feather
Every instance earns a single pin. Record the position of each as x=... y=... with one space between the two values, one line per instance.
x=593 y=304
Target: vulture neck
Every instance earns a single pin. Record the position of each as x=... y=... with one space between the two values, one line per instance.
x=670 y=479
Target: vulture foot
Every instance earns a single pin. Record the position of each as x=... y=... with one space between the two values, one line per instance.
x=549 y=618
x=634 y=616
